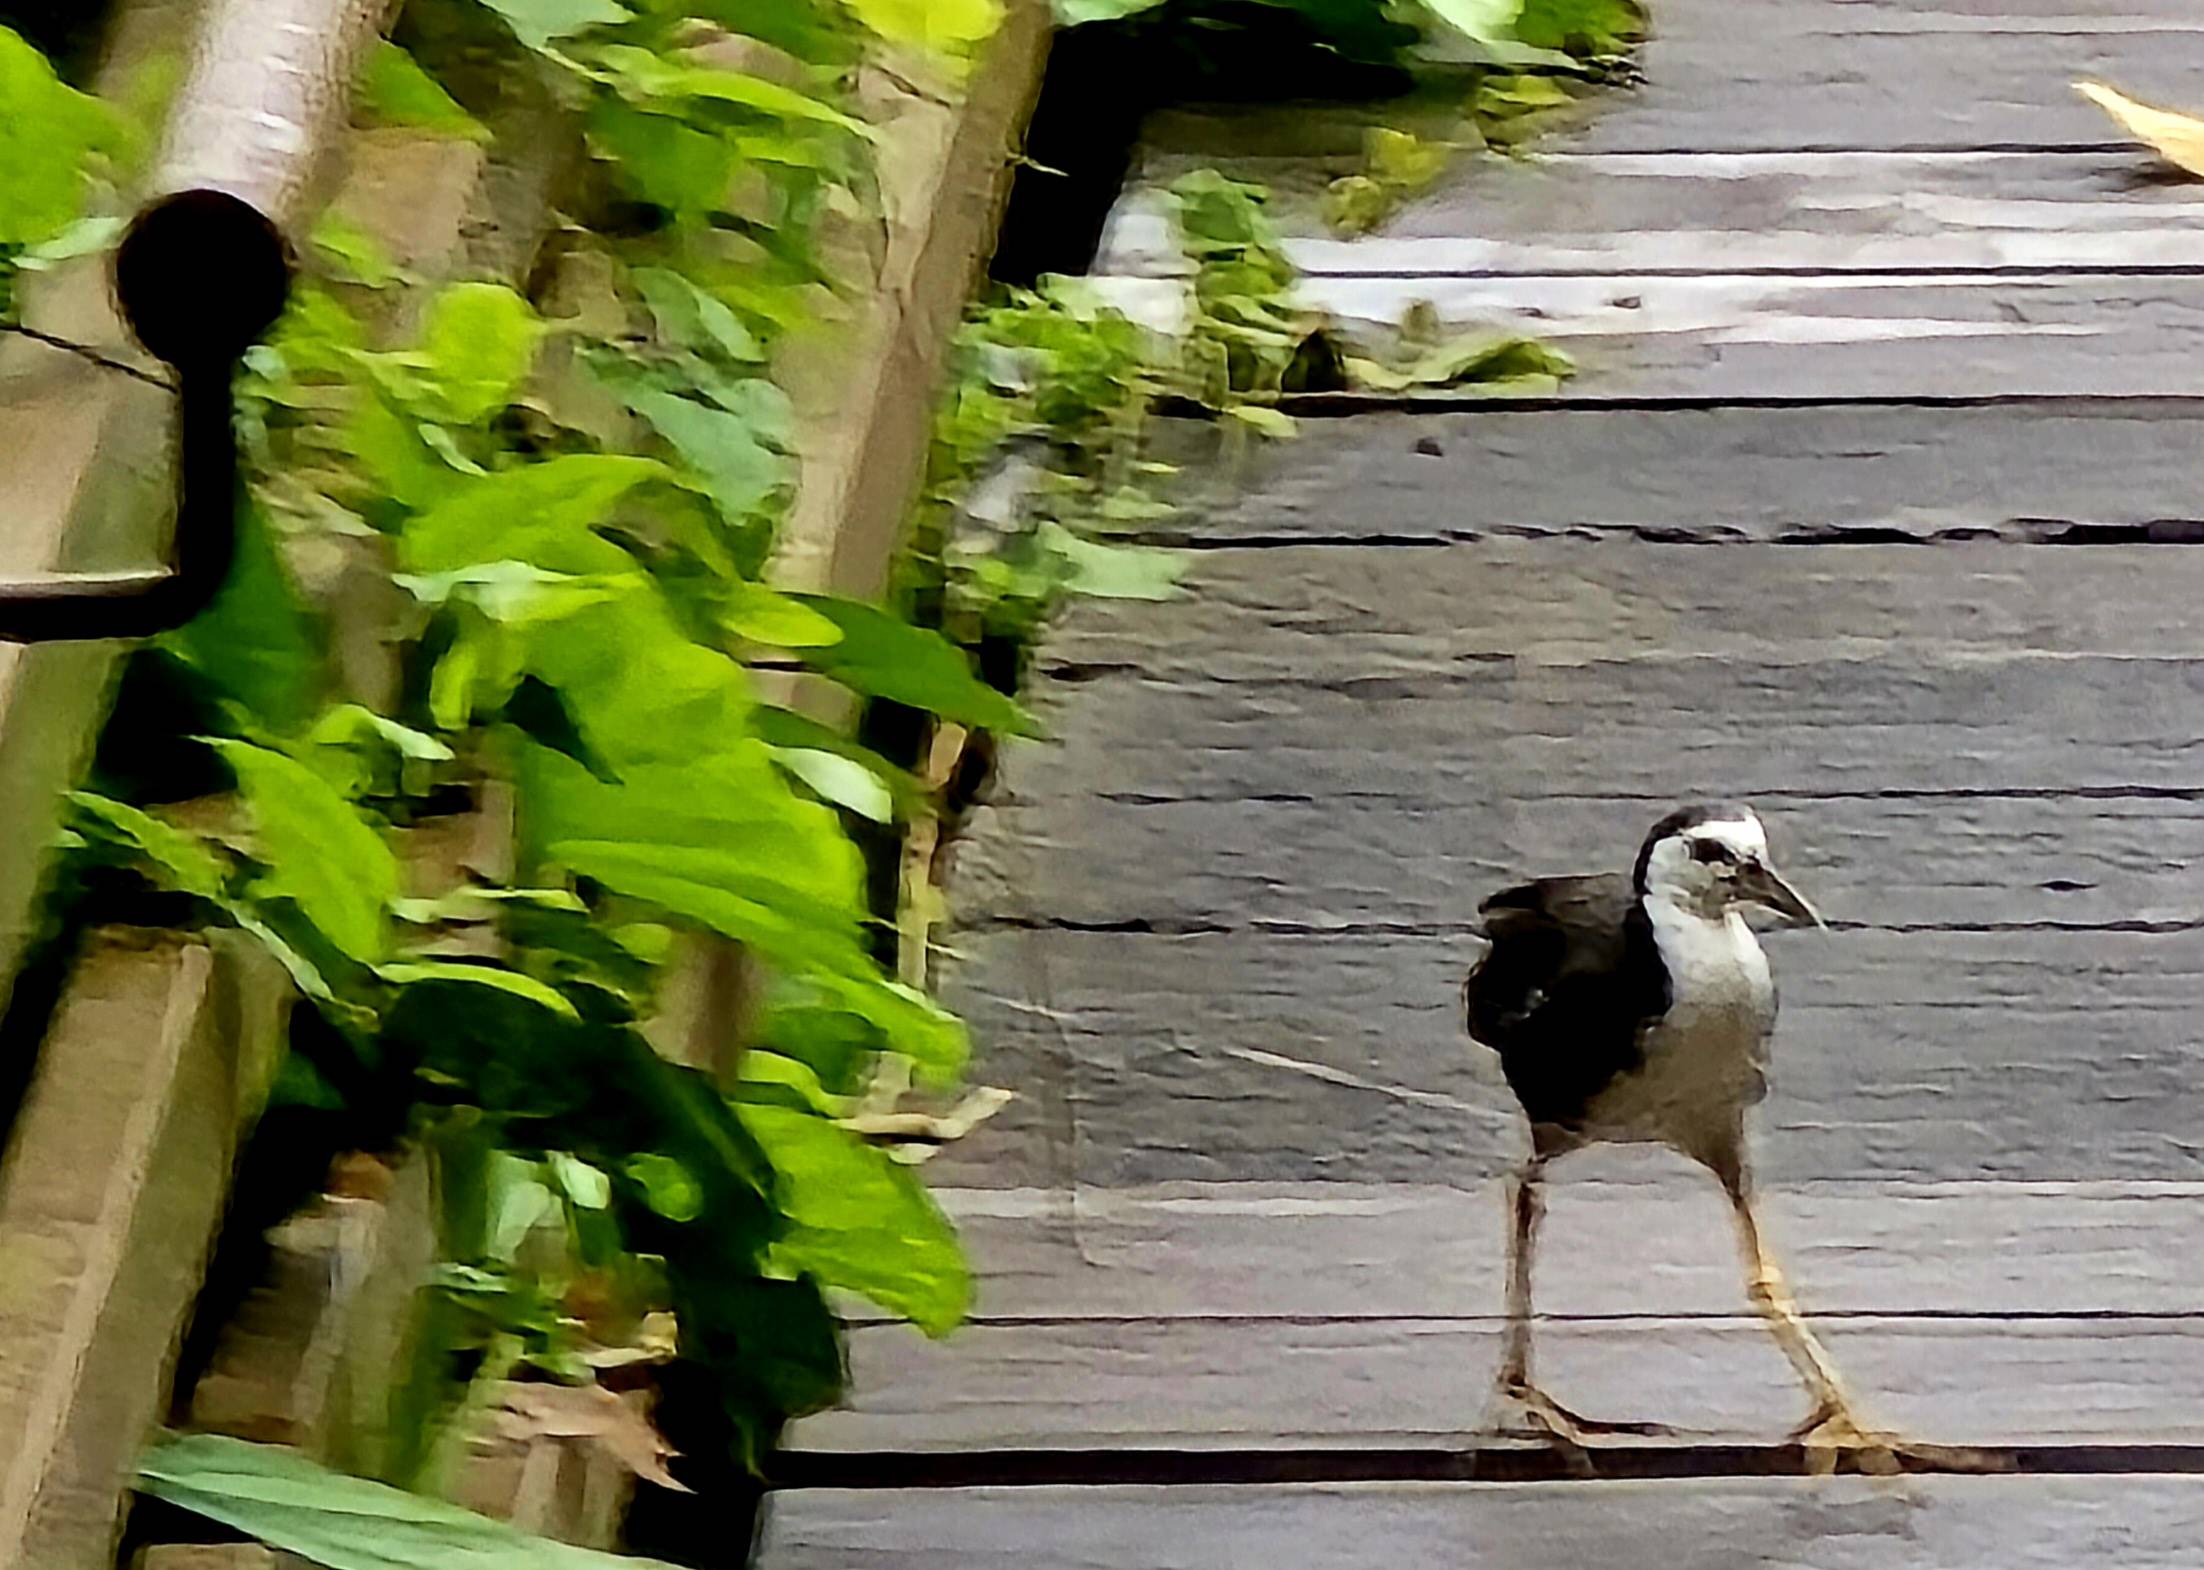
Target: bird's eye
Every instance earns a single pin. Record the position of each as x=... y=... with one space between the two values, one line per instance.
x=1713 y=851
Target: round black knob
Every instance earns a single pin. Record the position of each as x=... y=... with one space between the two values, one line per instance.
x=200 y=276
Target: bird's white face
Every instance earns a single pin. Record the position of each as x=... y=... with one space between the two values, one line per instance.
x=1712 y=867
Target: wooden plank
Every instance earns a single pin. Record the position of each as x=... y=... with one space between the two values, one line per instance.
x=1501 y=729
x=1814 y=1524
x=1274 y=612
x=1815 y=76
x=1311 y=1056
x=110 y=1193
x=1994 y=863
x=1210 y=1384
x=1752 y=336
x=1558 y=213
x=2018 y=470
x=1627 y=1233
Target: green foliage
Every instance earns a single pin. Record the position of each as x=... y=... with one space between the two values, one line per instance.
x=396 y=91
x=51 y=137
x=321 y=855
x=853 y=1211
x=576 y=607
x=276 y=1495
x=48 y=132
x=884 y=656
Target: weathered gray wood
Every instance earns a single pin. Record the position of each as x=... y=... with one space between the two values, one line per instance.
x=1831 y=1524
x=1203 y=1384
x=2019 y=470
x=1994 y=863
x=1285 y=610
x=1735 y=336
x=1298 y=1055
x=1546 y=213
x=1627 y=1233
x=1502 y=729
x=1815 y=75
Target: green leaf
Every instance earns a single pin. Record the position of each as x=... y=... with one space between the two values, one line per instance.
x=884 y=656
x=717 y=836
x=396 y=91
x=1487 y=21
x=1586 y=29
x=951 y=25
x=668 y=1188
x=1274 y=423
x=640 y=691
x=764 y=615
x=688 y=318
x=479 y=340
x=513 y=593
x=723 y=449
x=348 y=724
x=1114 y=572
x=667 y=162
x=275 y=1495
x=183 y=856
x=540 y=513
x=1071 y=13
x=47 y=132
x=779 y=728
x=537 y=22
x=321 y=854
x=859 y=1221
x=353 y=254
x=389 y=447
x=95 y=232
x=255 y=644
x=645 y=74
x=446 y=972
x=843 y=782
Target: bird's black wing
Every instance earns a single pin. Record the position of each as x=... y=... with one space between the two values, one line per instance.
x=1571 y=980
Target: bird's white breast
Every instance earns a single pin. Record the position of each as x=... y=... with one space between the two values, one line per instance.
x=1704 y=1058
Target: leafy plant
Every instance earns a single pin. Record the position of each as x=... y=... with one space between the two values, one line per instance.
x=52 y=137
x=346 y=1523
x=577 y=603
x=1039 y=469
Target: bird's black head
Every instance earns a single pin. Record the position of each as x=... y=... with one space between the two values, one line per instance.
x=1682 y=820
x=1710 y=858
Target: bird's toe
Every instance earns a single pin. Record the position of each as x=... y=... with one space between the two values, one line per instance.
x=1835 y=1439
x=1525 y=1411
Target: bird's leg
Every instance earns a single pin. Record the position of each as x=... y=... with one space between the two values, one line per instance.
x=1833 y=1426
x=1523 y=1406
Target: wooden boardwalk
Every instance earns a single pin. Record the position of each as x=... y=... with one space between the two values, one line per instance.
x=1868 y=507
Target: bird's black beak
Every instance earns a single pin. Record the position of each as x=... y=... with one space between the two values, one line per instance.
x=1760 y=883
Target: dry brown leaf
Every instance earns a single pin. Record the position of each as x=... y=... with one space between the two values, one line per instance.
x=614 y=1423
x=2178 y=138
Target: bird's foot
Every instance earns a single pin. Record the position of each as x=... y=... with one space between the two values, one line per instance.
x=1527 y=1412
x=1836 y=1440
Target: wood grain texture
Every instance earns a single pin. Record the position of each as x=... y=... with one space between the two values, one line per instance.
x=2026 y=470
x=1829 y=75
x=1195 y=1384
x=1277 y=612
x=1628 y=1233
x=1833 y=1524
x=1732 y=336
x=1988 y=864
x=1693 y=725
x=1544 y=212
x=1339 y=1056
